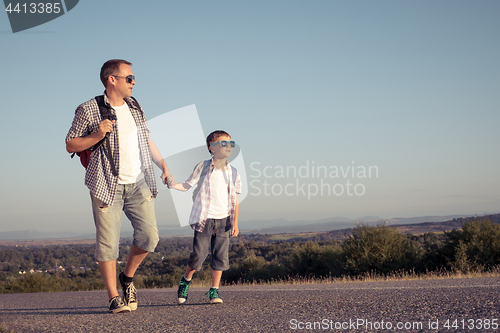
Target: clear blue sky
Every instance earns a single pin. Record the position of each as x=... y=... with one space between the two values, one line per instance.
x=409 y=87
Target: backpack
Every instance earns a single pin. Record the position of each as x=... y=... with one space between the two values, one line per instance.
x=105 y=114
x=206 y=165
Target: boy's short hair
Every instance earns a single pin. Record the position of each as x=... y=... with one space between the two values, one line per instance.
x=111 y=67
x=212 y=137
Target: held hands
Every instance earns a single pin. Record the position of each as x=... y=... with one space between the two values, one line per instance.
x=168 y=179
x=105 y=126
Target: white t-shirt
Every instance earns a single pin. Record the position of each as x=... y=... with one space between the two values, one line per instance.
x=219 y=195
x=128 y=142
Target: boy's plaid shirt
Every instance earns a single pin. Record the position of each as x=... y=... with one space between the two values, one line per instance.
x=99 y=178
x=199 y=212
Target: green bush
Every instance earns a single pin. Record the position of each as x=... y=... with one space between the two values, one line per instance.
x=476 y=247
x=380 y=248
x=314 y=260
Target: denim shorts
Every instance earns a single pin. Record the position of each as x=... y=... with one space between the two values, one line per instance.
x=137 y=203
x=216 y=235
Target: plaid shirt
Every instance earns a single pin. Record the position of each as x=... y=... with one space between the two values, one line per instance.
x=199 y=212
x=99 y=178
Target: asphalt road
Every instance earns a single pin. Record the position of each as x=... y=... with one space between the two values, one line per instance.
x=401 y=306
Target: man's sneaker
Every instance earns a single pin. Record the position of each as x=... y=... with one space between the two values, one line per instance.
x=182 y=291
x=129 y=293
x=117 y=305
x=214 y=295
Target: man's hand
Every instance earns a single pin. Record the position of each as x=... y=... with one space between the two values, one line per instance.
x=105 y=126
x=166 y=176
x=85 y=142
x=235 y=231
x=168 y=179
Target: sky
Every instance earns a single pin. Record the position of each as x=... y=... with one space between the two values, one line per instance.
x=340 y=108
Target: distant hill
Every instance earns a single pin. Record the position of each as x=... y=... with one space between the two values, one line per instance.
x=454 y=224
x=417 y=228
x=338 y=223
x=342 y=225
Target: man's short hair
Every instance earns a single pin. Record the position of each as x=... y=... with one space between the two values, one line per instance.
x=111 y=67
x=212 y=137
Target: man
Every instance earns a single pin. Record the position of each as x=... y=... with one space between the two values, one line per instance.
x=127 y=184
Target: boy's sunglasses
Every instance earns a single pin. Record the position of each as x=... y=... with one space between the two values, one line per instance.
x=129 y=78
x=224 y=144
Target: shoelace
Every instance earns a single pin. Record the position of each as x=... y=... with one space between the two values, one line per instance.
x=115 y=301
x=213 y=293
x=183 y=289
x=131 y=292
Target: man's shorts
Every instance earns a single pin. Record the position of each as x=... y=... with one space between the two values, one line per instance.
x=137 y=203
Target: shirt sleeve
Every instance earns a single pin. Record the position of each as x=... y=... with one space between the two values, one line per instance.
x=195 y=176
x=80 y=125
x=147 y=132
x=237 y=185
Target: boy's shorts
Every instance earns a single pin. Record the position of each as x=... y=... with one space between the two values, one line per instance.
x=216 y=235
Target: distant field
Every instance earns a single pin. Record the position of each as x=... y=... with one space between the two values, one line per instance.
x=290 y=236
x=42 y=242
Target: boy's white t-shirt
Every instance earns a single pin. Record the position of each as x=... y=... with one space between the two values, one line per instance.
x=219 y=195
x=130 y=160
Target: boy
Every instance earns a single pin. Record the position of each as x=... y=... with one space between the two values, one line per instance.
x=214 y=215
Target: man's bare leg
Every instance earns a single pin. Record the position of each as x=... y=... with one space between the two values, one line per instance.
x=135 y=258
x=108 y=272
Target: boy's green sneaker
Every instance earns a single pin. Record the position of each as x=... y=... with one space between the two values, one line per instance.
x=182 y=291
x=214 y=295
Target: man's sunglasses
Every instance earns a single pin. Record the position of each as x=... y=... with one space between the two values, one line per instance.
x=129 y=78
x=224 y=144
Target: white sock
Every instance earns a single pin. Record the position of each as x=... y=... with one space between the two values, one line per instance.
x=215 y=287
x=186 y=278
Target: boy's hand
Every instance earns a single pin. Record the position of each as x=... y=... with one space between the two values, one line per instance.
x=168 y=179
x=180 y=186
x=235 y=231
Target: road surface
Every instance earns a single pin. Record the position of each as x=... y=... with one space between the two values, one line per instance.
x=449 y=305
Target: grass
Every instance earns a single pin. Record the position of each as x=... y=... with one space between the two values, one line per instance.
x=377 y=277
x=203 y=279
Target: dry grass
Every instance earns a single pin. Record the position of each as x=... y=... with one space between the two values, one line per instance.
x=376 y=277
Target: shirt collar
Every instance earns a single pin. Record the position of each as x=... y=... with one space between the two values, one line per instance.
x=212 y=164
x=128 y=100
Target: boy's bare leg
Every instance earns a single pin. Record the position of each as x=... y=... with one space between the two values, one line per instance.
x=214 y=293
x=108 y=272
x=216 y=276
x=188 y=275
x=135 y=258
